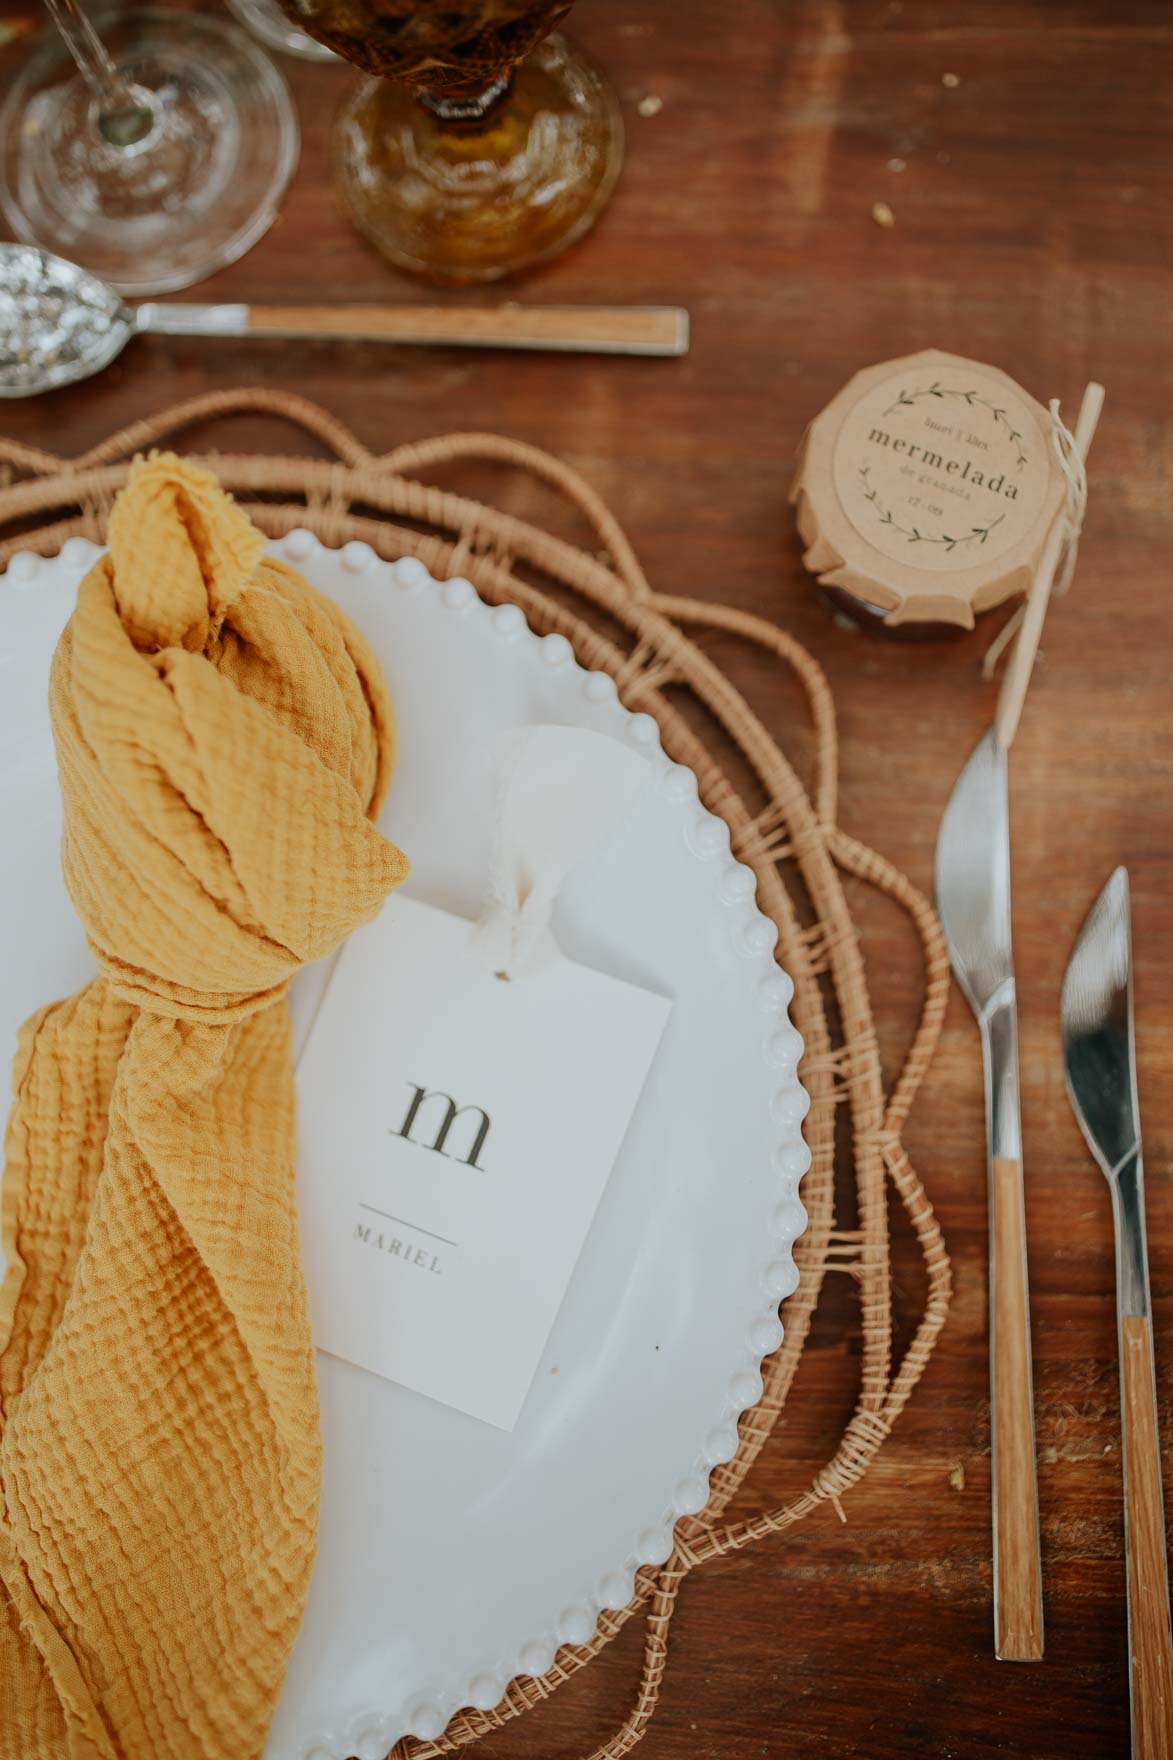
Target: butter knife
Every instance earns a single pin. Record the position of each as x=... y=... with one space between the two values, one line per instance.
x=973 y=896
x=1099 y=1055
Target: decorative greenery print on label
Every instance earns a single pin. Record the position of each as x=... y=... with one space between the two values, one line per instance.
x=972 y=398
x=942 y=473
x=975 y=534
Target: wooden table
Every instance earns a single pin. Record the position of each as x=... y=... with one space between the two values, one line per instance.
x=1033 y=208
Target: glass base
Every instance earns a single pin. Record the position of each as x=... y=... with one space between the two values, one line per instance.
x=265 y=19
x=193 y=191
x=475 y=200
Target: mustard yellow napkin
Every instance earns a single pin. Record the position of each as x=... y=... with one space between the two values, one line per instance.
x=224 y=740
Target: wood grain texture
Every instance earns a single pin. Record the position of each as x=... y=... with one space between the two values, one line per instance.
x=1151 y=1660
x=1018 y=1596
x=656 y=330
x=1033 y=209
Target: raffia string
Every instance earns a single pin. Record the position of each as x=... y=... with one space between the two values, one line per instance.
x=1071 y=516
x=1056 y=565
x=789 y=834
x=1074 y=467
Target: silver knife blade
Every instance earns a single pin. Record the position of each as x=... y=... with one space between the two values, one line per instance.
x=1096 y=1022
x=973 y=876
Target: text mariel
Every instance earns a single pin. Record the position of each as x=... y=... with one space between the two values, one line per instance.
x=406 y=1250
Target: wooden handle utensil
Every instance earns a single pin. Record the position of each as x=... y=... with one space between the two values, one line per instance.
x=1150 y=1662
x=1099 y=1057
x=644 y=330
x=1018 y=1605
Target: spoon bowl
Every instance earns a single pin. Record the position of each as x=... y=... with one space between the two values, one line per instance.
x=58 y=323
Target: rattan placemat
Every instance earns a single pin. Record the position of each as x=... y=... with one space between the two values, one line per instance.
x=600 y=599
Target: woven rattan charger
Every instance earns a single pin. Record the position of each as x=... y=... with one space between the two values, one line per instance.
x=790 y=839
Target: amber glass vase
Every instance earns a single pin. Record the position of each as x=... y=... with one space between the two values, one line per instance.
x=478 y=144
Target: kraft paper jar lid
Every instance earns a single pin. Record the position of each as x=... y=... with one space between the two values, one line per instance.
x=926 y=489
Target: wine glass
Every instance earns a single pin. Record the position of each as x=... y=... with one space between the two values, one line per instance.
x=151 y=147
x=265 y=19
x=479 y=144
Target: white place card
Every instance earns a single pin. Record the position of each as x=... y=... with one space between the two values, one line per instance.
x=457 y=1131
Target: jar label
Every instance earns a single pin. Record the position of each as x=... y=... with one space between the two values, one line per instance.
x=943 y=469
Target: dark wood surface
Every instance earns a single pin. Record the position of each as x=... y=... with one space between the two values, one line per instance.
x=1033 y=206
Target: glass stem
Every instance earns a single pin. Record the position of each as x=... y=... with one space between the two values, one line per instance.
x=123 y=116
x=471 y=107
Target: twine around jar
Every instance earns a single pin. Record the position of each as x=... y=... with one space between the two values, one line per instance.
x=788 y=835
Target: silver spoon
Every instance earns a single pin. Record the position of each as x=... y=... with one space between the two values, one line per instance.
x=59 y=324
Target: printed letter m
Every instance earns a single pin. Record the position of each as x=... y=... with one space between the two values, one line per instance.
x=420 y=1098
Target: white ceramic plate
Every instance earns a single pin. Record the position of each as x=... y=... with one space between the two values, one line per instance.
x=453 y=1556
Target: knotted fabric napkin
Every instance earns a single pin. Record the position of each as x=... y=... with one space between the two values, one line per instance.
x=224 y=740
